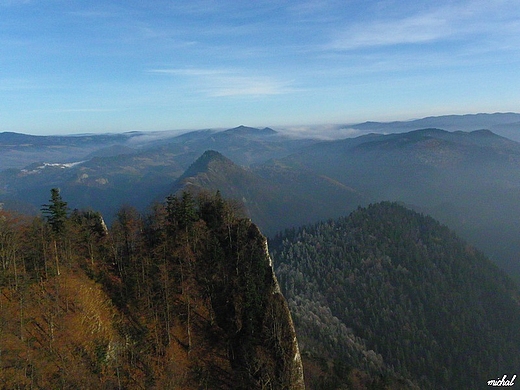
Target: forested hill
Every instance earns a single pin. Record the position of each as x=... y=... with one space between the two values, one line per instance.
x=182 y=298
x=389 y=293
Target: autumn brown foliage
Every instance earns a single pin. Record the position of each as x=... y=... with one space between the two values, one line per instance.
x=184 y=297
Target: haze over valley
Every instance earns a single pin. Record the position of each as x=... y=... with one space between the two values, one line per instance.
x=467 y=178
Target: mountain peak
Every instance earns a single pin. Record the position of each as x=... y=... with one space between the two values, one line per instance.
x=484 y=133
x=212 y=155
x=245 y=130
x=202 y=164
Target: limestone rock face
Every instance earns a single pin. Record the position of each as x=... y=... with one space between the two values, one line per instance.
x=264 y=350
x=278 y=318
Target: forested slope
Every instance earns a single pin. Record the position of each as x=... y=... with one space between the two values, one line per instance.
x=389 y=293
x=469 y=181
x=273 y=196
x=184 y=297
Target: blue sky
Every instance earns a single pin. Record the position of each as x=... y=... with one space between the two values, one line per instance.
x=70 y=66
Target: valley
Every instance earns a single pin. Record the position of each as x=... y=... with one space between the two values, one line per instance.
x=467 y=179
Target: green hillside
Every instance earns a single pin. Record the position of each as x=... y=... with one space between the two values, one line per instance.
x=393 y=293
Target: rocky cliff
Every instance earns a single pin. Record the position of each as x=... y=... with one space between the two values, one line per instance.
x=182 y=298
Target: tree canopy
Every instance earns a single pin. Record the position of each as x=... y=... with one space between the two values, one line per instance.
x=182 y=297
x=56 y=212
x=393 y=292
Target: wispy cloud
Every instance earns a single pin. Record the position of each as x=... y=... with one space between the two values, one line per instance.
x=245 y=85
x=228 y=83
x=324 y=132
x=415 y=29
x=444 y=22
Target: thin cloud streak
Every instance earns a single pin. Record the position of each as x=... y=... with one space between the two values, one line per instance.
x=229 y=83
x=472 y=18
x=412 y=30
x=325 y=132
x=247 y=86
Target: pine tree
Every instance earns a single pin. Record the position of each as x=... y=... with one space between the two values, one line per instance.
x=56 y=215
x=56 y=212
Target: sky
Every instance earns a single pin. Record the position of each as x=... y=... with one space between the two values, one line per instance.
x=71 y=66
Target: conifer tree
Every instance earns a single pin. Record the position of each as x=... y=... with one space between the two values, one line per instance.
x=56 y=212
x=56 y=215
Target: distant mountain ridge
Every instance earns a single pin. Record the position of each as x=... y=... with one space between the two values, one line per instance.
x=135 y=172
x=506 y=124
x=245 y=130
x=468 y=180
x=272 y=196
x=18 y=150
